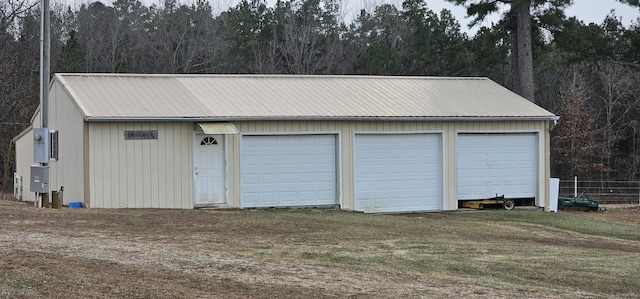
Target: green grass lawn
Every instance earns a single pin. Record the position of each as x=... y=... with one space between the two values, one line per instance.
x=330 y=253
x=520 y=250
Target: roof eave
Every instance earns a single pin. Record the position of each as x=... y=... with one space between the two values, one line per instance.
x=318 y=118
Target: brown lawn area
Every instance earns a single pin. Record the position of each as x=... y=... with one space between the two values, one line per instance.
x=282 y=253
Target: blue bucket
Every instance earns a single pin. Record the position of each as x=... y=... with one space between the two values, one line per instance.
x=75 y=204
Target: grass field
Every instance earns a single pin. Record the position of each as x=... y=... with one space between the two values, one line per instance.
x=317 y=253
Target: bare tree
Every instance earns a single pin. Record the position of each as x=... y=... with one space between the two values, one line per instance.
x=576 y=141
x=620 y=96
x=310 y=36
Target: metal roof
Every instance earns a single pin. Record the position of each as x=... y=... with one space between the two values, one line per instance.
x=280 y=97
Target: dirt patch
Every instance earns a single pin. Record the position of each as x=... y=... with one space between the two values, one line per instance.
x=628 y=213
x=85 y=253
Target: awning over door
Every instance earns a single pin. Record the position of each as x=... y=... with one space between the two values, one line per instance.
x=213 y=128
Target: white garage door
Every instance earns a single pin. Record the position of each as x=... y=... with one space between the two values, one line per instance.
x=288 y=170
x=398 y=172
x=496 y=164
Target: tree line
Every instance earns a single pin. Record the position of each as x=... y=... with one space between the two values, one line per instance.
x=588 y=74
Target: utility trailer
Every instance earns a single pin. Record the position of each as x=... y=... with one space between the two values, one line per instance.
x=506 y=203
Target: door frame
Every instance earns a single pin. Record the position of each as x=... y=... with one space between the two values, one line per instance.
x=196 y=138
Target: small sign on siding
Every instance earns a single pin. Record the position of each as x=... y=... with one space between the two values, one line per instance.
x=141 y=135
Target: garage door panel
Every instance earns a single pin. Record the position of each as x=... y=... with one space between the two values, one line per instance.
x=490 y=164
x=288 y=170
x=398 y=172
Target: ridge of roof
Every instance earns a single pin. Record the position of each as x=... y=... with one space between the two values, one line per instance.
x=292 y=76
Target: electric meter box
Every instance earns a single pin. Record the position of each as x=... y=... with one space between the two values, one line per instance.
x=39 y=179
x=41 y=145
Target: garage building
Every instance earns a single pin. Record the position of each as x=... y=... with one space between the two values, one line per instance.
x=362 y=143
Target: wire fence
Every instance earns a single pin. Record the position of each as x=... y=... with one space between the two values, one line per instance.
x=606 y=192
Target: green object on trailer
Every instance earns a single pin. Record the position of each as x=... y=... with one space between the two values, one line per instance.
x=577 y=203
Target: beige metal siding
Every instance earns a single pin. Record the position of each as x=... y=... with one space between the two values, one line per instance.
x=345 y=151
x=141 y=173
x=68 y=170
x=24 y=160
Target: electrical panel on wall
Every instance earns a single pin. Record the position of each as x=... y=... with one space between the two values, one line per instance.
x=41 y=145
x=39 y=179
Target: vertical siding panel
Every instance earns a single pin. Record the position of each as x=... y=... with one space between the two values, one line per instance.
x=129 y=172
x=105 y=169
x=123 y=161
x=187 y=145
x=170 y=170
x=105 y=178
x=177 y=168
x=450 y=166
x=113 y=164
x=330 y=125
x=546 y=163
x=228 y=156
x=175 y=162
x=146 y=168
x=185 y=167
x=229 y=153
x=235 y=170
x=162 y=164
x=94 y=166
x=138 y=172
x=349 y=186
x=155 y=174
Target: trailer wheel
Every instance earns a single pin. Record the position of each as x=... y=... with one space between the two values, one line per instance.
x=508 y=204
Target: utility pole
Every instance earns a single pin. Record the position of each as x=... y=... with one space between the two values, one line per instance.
x=45 y=42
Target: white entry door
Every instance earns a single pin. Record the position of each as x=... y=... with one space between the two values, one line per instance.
x=208 y=166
